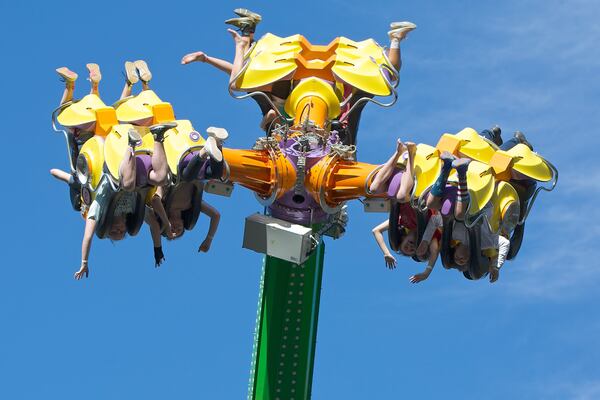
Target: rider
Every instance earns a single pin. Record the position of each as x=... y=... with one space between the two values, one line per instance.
x=129 y=182
x=399 y=186
x=164 y=214
x=246 y=23
x=494 y=246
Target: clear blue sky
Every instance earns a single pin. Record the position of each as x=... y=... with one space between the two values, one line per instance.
x=184 y=331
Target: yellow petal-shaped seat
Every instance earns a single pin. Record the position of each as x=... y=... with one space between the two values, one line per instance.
x=427 y=167
x=313 y=87
x=361 y=73
x=138 y=108
x=117 y=143
x=481 y=182
x=82 y=112
x=266 y=68
x=274 y=44
x=530 y=164
x=93 y=151
x=180 y=141
x=369 y=48
x=474 y=146
x=505 y=196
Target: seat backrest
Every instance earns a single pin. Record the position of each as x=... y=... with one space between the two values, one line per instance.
x=133 y=221
x=478 y=263
x=422 y=221
x=394 y=234
x=446 y=251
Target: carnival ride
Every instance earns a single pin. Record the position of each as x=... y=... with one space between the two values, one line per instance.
x=303 y=173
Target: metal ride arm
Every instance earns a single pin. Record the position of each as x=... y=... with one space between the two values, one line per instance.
x=390 y=86
x=66 y=135
x=539 y=189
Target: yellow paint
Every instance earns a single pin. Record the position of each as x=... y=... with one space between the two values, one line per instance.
x=178 y=143
x=81 y=112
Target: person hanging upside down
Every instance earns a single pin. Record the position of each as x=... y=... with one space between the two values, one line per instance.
x=128 y=183
x=77 y=131
x=399 y=186
x=494 y=246
x=171 y=202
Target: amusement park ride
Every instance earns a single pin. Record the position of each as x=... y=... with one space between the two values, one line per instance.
x=303 y=173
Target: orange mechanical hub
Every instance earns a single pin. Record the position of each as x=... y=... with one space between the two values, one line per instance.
x=340 y=180
x=260 y=170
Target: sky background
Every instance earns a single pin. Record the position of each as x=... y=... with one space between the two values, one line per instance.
x=185 y=331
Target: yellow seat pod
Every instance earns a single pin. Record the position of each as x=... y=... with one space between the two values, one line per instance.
x=81 y=112
x=481 y=183
x=362 y=73
x=504 y=198
x=117 y=143
x=179 y=142
x=138 y=108
x=364 y=49
x=358 y=64
x=529 y=163
x=305 y=95
x=427 y=168
x=271 y=59
x=274 y=44
x=266 y=68
x=92 y=153
x=474 y=146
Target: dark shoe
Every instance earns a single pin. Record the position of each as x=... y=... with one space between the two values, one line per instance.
x=134 y=138
x=158 y=130
x=447 y=159
x=497 y=135
x=461 y=165
x=520 y=136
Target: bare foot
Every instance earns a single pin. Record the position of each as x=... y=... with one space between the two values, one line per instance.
x=193 y=57
x=411 y=148
x=400 y=147
x=239 y=39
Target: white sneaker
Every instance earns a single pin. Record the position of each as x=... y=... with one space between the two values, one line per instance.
x=212 y=149
x=400 y=29
x=220 y=134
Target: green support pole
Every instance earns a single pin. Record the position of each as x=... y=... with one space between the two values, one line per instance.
x=286 y=329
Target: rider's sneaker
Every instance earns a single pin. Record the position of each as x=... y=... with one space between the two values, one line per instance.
x=95 y=75
x=143 y=71
x=244 y=12
x=399 y=30
x=131 y=73
x=461 y=165
x=220 y=134
x=246 y=25
x=212 y=149
x=66 y=74
x=134 y=138
x=158 y=131
x=447 y=158
x=497 y=135
x=520 y=136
